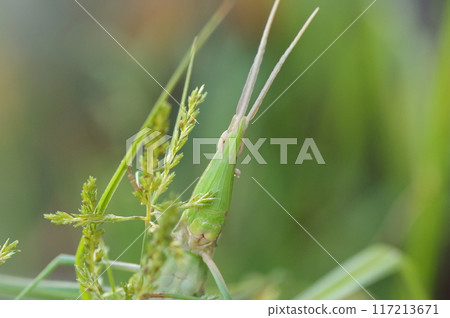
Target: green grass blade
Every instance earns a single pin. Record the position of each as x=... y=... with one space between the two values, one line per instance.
x=10 y=286
x=411 y=284
x=62 y=259
x=427 y=236
x=368 y=266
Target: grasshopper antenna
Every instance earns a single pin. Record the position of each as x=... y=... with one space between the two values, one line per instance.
x=277 y=68
x=254 y=70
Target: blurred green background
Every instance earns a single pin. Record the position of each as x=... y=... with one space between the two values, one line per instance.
x=377 y=105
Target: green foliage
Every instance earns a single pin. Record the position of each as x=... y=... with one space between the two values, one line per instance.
x=430 y=185
x=89 y=196
x=90 y=282
x=160 y=218
x=90 y=268
x=187 y=119
x=47 y=289
x=8 y=250
x=366 y=267
x=166 y=214
x=84 y=220
x=199 y=201
x=143 y=282
x=149 y=179
x=185 y=123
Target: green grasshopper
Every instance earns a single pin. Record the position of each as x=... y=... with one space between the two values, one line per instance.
x=199 y=228
x=195 y=237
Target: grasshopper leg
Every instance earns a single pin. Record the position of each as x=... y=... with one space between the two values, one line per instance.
x=218 y=278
